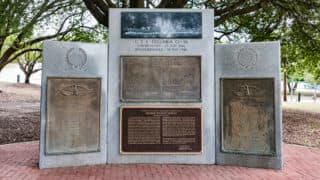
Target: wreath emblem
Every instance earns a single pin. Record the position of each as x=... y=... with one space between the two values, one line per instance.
x=77 y=58
x=247 y=58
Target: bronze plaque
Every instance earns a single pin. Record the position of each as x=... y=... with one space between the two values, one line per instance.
x=248 y=117
x=161 y=78
x=161 y=130
x=73 y=115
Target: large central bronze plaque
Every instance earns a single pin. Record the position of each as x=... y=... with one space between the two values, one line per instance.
x=161 y=78
x=160 y=130
x=73 y=115
x=248 y=117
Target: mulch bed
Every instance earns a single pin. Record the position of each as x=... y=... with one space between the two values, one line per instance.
x=19 y=118
x=20 y=121
x=19 y=127
x=301 y=128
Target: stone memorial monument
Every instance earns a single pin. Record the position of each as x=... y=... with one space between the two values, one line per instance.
x=248 y=113
x=73 y=104
x=161 y=94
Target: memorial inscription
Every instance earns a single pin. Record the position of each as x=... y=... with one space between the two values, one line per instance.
x=160 y=130
x=161 y=45
x=248 y=119
x=160 y=78
x=73 y=115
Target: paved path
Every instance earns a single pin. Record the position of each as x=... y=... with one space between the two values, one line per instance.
x=19 y=161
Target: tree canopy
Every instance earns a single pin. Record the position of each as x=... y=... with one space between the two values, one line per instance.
x=26 y=23
x=296 y=23
x=231 y=16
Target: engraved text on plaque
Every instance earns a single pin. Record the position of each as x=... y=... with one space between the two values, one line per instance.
x=161 y=78
x=160 y=130
x=248 y=119
x=73 y=115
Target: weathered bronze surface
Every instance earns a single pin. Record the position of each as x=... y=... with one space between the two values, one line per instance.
x=73 y=115
x=248 y=117
x=161 y=130
x=161 y=78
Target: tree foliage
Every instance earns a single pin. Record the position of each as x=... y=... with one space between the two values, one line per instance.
x=296 y=23
x=96 y=34
x=25 y=23
x=261 y=16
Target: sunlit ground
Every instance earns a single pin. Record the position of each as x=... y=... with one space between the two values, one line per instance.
x=303 y=106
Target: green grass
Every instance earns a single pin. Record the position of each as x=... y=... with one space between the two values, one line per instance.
x=311 y=107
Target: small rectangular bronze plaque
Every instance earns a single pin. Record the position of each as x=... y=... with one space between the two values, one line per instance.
x=73 y=115
x=160 y=78
x=160 y=130
x=248 y=117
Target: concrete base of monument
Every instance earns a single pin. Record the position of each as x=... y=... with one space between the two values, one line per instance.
x=250 y=161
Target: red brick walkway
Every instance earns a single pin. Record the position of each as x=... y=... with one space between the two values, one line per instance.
x=19 y=161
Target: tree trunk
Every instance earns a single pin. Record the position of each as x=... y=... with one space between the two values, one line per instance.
x=172 y=3
x=27 y=79
x=284 y=85
x=4 y=59
x=2 y=65
x=295 y=87
x=289 y=87
x=315 y=92
x=137 y=3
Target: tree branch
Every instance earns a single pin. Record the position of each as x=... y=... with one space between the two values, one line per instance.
x=23 y=52
x=218 y=12
x=11 y=50
x=104 y=5
x=137 y=4
x=36 y=70
x=32 y=22
x=58 y=33
x=242 y=11
x=22 y=67
x=227 y=33
x=172 y=3
x=39 y=39
x=101 y=16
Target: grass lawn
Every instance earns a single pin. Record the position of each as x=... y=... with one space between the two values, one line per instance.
x=311 y=107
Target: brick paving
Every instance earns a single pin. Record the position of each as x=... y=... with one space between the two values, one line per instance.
x=19 y=161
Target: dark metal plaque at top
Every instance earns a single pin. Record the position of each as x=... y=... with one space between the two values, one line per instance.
x=73 y=115
x=160 y=78
x=248 y=117
x=161 y=25
x=161 y=130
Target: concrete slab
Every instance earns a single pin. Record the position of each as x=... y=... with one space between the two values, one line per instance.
x=64 y=60
x=255 y=65
x=164 y=47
